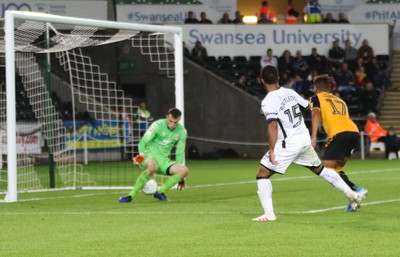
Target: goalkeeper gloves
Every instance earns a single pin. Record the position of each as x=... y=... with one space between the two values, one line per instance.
x=181 y=185
x=138 y=159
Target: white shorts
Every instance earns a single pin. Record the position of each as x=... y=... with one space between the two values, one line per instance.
x=305 y=156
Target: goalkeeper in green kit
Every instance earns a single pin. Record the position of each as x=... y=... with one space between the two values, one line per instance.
x=154 y=150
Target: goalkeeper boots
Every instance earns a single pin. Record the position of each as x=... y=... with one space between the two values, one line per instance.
x=125 y=199
x=161 y=197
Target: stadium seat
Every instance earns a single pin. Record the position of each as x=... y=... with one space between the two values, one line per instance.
x=224 y=59
x=393 y=156
x=252 y=73
x=239 y=60
x=239 y=68
x=226 y=69
x=255 y=59
x=377 y=146
x=212 y=62
x=383 y=58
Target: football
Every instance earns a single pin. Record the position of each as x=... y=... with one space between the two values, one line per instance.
x=150 y=187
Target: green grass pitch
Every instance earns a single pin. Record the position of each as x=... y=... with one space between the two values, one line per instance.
x=212 y=217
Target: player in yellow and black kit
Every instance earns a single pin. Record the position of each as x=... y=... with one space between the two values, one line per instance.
x=342 y=132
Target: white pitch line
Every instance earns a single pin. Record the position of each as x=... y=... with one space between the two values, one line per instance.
x=311 y=176
x=188 y=213
x=341 y=207
x=67 y=197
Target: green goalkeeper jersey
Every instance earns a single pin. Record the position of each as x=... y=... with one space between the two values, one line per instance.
x=159 y=140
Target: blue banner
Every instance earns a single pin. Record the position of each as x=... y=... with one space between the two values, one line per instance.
x=99 y=134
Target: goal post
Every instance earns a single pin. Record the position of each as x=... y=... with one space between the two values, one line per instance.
x=90 y=87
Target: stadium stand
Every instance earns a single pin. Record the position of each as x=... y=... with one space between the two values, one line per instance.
x=232 y=68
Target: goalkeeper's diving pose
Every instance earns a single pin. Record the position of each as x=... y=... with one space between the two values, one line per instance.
x=154 y=150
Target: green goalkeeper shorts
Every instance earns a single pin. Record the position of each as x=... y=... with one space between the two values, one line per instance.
x=163 y=163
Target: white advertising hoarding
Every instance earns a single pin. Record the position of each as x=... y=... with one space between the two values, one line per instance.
x=248 y=40
x=29 y=137
x=174 y=13
x=368 y=11
x=92 y=9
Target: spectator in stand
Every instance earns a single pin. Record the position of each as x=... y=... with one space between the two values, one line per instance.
x=225 y=19
x=300 y=65
x=298 y=85
x=329 y=18
x=143 y=117
x=199 y=52
x=124 y=114
x=342 y=18
x=377 y=74
x=238 y=18
x=392 y=143
x=335 y=55
x=345 y=79
x=263 y=19
x=372 y=69
x=360 y=78
x=317 y=62
x=312 y=12
x=374 y=130
x=285 y=80
x=302 y=84
x=242 y=82
x=268 y=14
x=332 y=84
x=268 y=59
x=366 y=52
x=258 y=88
x=381 y=79
x=350 y=55
x=291 y=14
x=191 y=19
x=285 y=63
x=360 y=64
x=369 y=98
x=203 y=19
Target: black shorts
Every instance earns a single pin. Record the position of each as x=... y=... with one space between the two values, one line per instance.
x=341 y=146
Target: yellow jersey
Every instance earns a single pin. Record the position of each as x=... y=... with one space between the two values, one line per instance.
x=334 y=114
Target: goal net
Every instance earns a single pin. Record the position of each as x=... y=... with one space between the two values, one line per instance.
x=65 y=123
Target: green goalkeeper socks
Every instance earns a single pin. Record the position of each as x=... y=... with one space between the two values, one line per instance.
x=173 y=180
x=142 y=179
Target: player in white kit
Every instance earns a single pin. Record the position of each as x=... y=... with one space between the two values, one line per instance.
x=289 y=141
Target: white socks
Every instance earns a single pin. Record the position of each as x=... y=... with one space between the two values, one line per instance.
x=334 y=179
x=265 y=195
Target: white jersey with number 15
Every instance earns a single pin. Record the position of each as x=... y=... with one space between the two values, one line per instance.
x=283 y=105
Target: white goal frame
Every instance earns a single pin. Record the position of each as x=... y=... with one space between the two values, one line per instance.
x=11 y=16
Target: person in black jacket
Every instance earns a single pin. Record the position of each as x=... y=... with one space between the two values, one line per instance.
x=392 y=143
